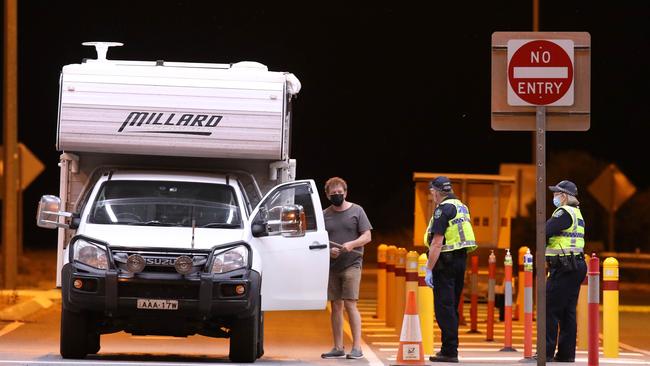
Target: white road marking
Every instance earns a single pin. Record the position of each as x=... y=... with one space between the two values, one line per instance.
x=10 y=327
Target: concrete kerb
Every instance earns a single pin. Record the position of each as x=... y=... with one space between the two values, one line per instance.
x=29 y=302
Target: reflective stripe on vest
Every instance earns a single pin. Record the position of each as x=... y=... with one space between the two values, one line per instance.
x=571 y=239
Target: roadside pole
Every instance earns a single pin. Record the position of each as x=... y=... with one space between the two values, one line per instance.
x=540 y=257
x=10 y=146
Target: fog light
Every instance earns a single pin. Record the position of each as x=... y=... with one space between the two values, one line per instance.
x=77 y=284
x=135 y=263
x=240 y=289
x=183 y=264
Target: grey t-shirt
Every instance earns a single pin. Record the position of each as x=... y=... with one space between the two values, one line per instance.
x=344 y=226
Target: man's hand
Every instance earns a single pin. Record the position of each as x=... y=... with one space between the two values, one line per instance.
x=428 y=278
x=334 y=252
x=347 y=247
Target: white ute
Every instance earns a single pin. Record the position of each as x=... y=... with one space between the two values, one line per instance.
x=178 y=212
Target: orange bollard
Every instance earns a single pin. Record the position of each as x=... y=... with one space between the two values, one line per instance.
x=528 y=305
x=400 y=286
x=381 y=282
x=593 y=298
x=519 y=304
x=412 y=273
x=391 y=254
x=507 y=303
x=473 y=310
x=492 y=263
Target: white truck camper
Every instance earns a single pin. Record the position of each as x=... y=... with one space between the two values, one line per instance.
x=178 y=212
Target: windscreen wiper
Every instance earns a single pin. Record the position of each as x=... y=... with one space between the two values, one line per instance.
x=221 y=225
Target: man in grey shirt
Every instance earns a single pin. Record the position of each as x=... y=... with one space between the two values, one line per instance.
x=349 y=230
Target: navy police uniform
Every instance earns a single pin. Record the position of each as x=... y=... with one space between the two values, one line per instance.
x=451 y=220
x=567 y=269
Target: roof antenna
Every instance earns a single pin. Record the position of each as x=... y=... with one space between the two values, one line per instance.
x=102 y=48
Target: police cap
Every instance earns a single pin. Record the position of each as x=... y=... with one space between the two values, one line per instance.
x=441 y=184
x=565 y=186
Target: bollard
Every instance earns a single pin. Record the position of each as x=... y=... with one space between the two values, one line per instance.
x=593 y=273
x=528 y=305
x=425 y=306
x=473 y=310
x=381 y=282
x=412 y=273
x=507 y=304
x=391 y=254
x=581 y=312
x=519 y=307
x=492 y=262
x=610 y=308
x=400 y=287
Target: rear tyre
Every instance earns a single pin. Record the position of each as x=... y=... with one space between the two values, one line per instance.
x=74 y=335
x=244 y=339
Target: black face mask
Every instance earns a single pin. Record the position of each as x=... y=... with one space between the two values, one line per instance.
x=336 y=199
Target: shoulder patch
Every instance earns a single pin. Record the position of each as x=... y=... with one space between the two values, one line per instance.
x=558 y=213
x=437 y=213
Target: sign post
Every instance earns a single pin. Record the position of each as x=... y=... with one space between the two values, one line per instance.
x=539 y=84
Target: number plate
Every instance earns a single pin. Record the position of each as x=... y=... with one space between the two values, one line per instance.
x=151 y=304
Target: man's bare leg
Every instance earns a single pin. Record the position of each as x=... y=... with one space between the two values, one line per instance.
x=337 y=323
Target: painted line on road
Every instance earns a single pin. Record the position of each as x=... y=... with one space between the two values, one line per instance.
x=10 y=327
x=518 y=358
x=632 y=348
x=92 y=362
x=385 y=344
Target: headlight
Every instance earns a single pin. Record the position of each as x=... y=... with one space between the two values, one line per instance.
x=90 y=254
x=230 y=260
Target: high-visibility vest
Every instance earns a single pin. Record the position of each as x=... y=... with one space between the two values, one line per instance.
x=571 y=239
x=459 y=233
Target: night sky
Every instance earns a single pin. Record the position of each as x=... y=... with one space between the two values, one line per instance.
x=387 y=90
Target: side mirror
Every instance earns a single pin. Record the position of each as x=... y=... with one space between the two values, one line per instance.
x=292 y=221
x=49 y=211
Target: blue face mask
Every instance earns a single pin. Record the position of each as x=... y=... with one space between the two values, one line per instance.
x=556 y=201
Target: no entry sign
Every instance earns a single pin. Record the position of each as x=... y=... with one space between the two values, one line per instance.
x=540 y=72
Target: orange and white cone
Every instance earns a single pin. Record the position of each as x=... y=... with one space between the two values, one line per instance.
x=410 y=351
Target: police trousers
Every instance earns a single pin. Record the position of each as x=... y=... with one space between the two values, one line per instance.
x=448 y=281
x=562 y=289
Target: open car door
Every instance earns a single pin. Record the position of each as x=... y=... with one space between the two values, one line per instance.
x=289 y=232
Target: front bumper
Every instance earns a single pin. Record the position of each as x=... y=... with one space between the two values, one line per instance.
x=201 y=297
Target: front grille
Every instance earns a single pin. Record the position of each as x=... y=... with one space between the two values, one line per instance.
x=159 y=261
x=162 y=290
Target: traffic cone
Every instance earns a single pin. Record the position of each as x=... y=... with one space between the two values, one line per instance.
x=410 y=351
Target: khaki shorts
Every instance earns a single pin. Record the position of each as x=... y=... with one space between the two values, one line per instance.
x=344 y=285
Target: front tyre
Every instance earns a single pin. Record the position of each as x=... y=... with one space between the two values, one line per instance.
x=244 y=339
x=74 y=335
x=260 y=336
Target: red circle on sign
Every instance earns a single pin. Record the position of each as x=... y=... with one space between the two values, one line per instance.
x=540 y=72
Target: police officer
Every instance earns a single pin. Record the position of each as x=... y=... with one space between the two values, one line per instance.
x=449 y=238
x=565 y=231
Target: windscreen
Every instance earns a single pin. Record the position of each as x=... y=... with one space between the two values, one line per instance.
x=161 y=203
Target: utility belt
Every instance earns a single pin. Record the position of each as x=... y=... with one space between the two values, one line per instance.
x=446 y=259
x=568 y=261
